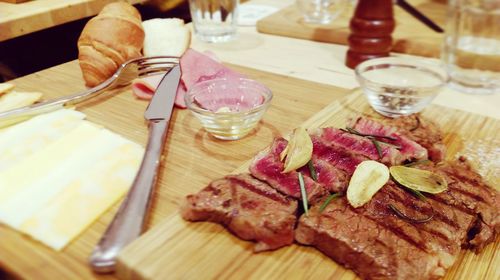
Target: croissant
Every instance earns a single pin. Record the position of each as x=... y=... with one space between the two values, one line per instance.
x=109 y=39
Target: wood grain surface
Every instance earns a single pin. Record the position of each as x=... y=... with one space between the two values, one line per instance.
x=410 y=36
x=23 y=18
x=177 y=249
x=191 y=158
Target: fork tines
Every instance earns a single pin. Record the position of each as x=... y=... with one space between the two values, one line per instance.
x=155 y=65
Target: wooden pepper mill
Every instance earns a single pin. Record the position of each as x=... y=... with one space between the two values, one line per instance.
x=371 y=27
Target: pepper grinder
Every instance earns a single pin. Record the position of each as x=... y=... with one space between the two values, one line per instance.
x=371 y=27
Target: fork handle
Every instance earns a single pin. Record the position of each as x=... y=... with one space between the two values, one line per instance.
x=128 y=222
x=20 y=114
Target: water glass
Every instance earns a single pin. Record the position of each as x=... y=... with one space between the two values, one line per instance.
x=214 y=20
x=320 y=11
x=471 y=50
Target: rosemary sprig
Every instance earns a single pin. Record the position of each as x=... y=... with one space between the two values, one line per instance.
x=312 y=170
x=354 y=131
x=410 y=219
x=377 y=147
x=417 y=125
x=328 y=200
x=417 y=193
x=303 y=193
x=424 y=161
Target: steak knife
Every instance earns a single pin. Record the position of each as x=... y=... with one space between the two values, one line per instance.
x=129 y=221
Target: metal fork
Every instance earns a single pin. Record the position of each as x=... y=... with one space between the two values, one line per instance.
x=138 y=67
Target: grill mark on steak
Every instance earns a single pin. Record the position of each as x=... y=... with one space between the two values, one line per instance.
x=274 y=196
x=359 y=243
x=247 y=213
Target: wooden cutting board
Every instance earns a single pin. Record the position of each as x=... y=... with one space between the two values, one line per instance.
x=177 y=249
x=191 y=158
x=410 y=36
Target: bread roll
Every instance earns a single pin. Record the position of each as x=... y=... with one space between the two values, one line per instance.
x=168 y=36
x=109 y=39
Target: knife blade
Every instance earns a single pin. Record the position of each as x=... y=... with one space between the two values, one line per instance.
x=418 y=15
x=129 y=221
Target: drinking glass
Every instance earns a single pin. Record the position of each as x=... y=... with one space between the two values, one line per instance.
x=471 y=49
x=320 y=11
x=214 y=20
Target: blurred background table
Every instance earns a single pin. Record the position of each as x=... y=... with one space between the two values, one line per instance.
x=23 y=18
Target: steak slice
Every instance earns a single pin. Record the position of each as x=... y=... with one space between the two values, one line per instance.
x=359 y=145
x=423 y=131
x=328 y=176
x=410 y=149
x=268 y=167
x=468 y=192
x=335 y=155
x=250 y=209
x=372 y=250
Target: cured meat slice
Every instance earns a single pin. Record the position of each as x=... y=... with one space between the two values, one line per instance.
x=250 y=209
x=410 y=149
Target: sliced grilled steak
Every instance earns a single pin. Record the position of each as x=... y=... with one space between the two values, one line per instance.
x=358 y=145
x=336 y=155
x=410 y=149
x=249 y=208
x=328 y=176
x=423 y=131
x=268 y=167
x=468 y=192
x=372 y=250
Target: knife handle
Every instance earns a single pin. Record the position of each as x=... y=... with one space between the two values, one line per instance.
x=128 y=222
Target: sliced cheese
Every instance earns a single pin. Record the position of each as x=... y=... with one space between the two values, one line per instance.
x=22 y=140
x=85 y=198
x=69 y=172
x=5 y=87
x=18 y=99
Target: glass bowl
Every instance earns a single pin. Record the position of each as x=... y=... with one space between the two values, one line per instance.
x=228 y=109
x=397 y=86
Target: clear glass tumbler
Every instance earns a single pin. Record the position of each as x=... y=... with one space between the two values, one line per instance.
x=320 y=11
x=214 y=20
x=471 y=50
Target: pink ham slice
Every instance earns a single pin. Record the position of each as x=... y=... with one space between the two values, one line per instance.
x=144 y=88
x=197 y=67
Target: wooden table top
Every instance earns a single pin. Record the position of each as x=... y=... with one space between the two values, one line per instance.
x=24 y=18
x=290 y=58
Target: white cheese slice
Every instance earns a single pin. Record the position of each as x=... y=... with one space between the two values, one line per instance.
x=22 y=140
x=67 y=173
x=85 y=198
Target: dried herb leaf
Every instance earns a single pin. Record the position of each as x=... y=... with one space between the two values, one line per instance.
x=328 y=200
x=417 y=125
x=303 y=193
x=410 y=219
x=377 y=146
x=354 y=131
x=312 y=170
x=424 y=161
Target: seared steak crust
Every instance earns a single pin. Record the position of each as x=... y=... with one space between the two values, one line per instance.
x=249 y=208
x=358 y=242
